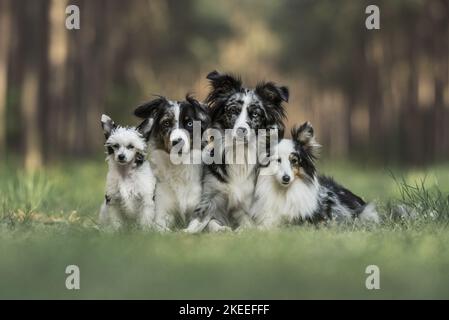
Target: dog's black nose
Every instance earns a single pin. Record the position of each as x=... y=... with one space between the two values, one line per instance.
x=176 y=141
x=285 y=178
x=242 y=132
x=121 y=157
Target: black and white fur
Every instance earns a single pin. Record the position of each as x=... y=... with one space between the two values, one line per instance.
x=179 y=185
x=228 y=187
x=289 y=190
x=130 y=182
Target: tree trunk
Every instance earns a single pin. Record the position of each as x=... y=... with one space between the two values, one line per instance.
x=5 y=30
x=57 y=60
x=29 y=107
x=32 y=96
x=441 y=81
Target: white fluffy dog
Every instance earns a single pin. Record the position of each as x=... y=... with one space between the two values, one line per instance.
x=130 y=182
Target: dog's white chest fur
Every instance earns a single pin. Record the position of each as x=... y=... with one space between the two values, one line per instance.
x=127 y=189
x=274 y=205
x=129 y=195
x=178 y=190
x=240 y=186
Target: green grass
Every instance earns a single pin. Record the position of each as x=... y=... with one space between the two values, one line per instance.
x=48 y=221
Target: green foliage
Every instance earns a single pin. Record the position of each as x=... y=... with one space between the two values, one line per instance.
x=420 y=203
x=23 y=195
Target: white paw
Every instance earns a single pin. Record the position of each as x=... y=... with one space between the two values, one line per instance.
x=195 y=226
x=214 y=226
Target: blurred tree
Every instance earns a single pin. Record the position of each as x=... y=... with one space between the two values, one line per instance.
x=34 y=29
x=379 y=73
x=57 y=55
x=377 y=93
x=5 y=31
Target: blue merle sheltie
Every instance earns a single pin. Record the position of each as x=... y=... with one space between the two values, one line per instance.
x=179 y=186
x=238 y=113
x=289 y=190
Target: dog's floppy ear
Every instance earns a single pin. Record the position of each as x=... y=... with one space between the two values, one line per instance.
x=271 y=92
x=201 y=111
x=304 y=137
x=108 y=125
x=145 y=128
x=150 y=109
x=273 y=96
x=223 y=85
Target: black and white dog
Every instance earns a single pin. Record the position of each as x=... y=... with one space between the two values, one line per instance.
x=175 y=158
x=237 y=113
x=289 y=190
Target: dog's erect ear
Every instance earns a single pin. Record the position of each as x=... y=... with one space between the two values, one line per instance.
x=108 y=125
x=272 y=93
x=223 y=85
x=201 y=111
x=303 y=133
x=304 y=136
x=145 y=128
x=150 y=109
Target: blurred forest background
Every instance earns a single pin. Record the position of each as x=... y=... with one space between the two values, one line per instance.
x=380 y=96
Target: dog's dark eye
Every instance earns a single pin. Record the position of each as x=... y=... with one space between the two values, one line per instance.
x=233 y=109
x=116 y=146
x=294 y=161
x=279 y=160
x=166 y=123
x=255 y=115
x=130 y=146
x=255 y=112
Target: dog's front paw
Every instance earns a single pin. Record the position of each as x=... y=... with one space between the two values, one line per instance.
x=195 y=226
x=215 y=226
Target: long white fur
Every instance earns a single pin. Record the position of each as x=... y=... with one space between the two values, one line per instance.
x=275 y=204
x=240 y=186
x=129 y=187
x=179 y=184
x=178 y=190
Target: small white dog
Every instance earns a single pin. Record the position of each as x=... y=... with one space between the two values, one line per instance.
x=130 y=183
